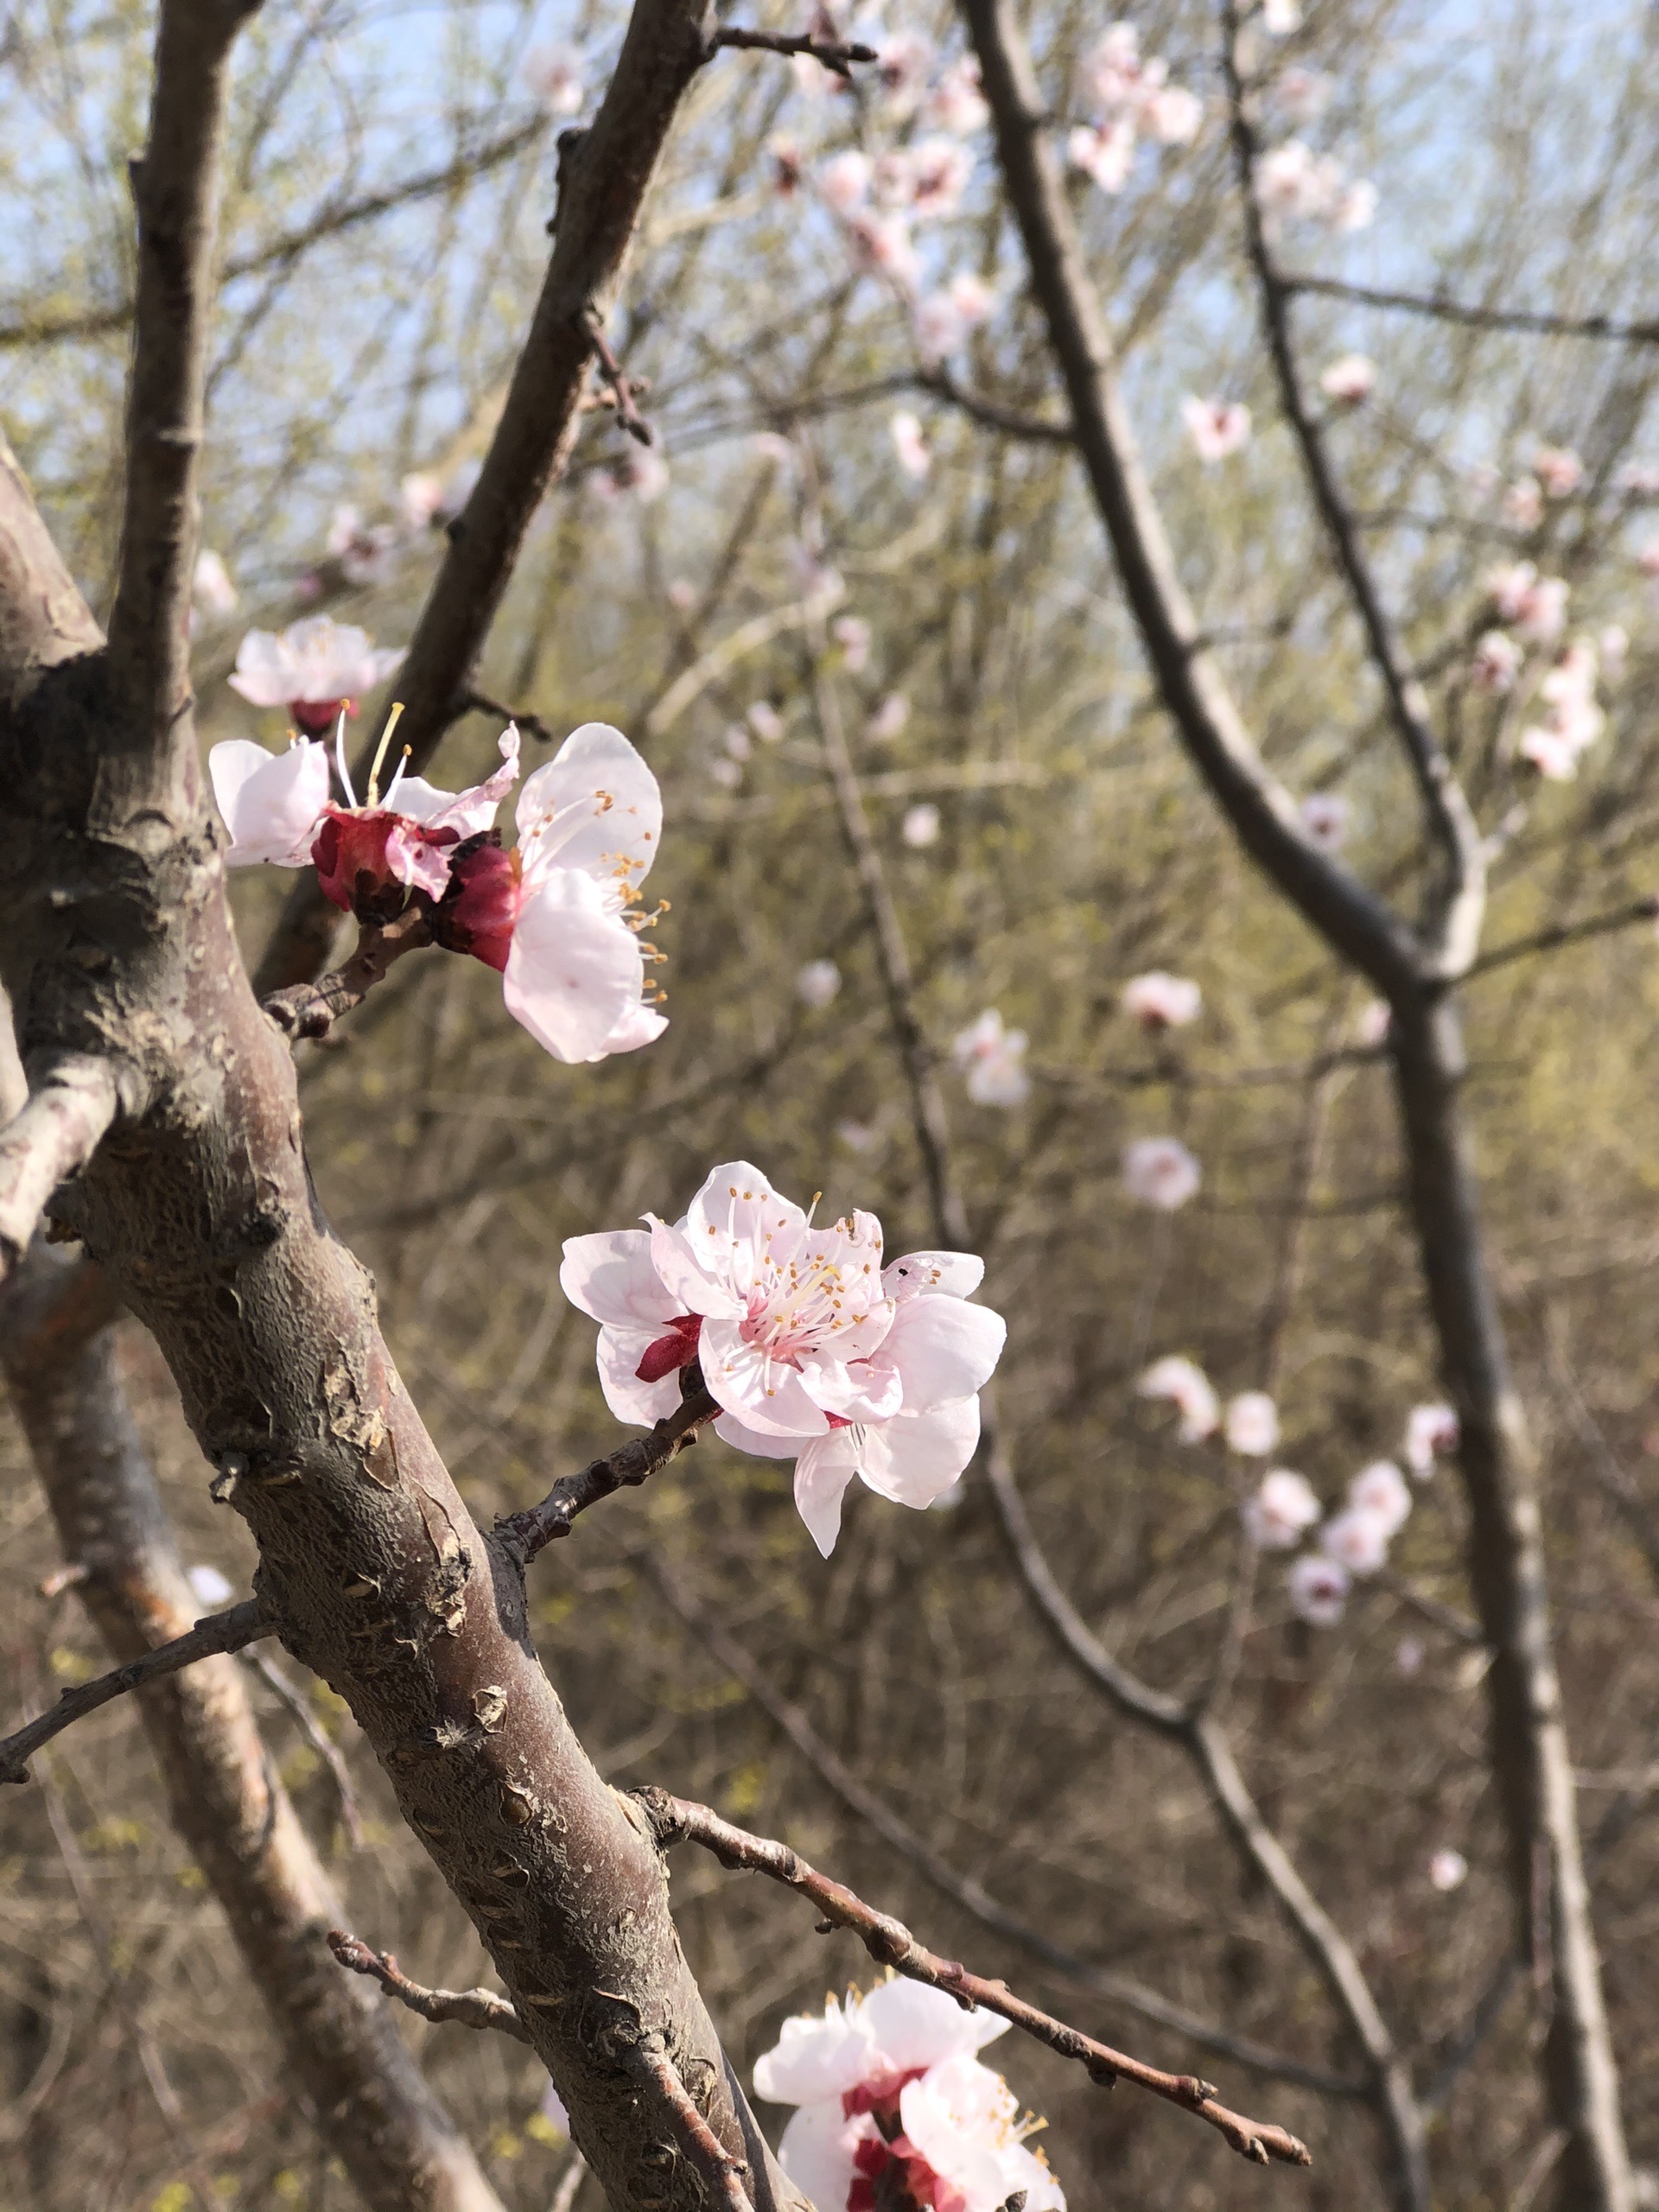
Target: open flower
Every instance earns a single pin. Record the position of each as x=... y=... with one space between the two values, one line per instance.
x=1217 y=428
x=1358 y=1539
x=1252 y=1424
x=1160 y=1172
x=1280 y=1512
x=813 y=1351
x=890 y=2091
x=1382 y=1491
x=1325 y=817
x=1319 y=1590
x=1429 y=1430
x=1350 y=379
x=1189 y=1388
x=313 y=668
x=1157 y=1000
x=994 y=1059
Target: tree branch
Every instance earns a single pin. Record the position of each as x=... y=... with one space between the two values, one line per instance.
x=833 y=53
x=472 y=2008
x=604 y=173
x=1461 y=902
x=890 y=1943
x=530 y=1531
x=1525 y=320
x=226 y=1631
x=74 y=1098
x=1645 y=909
x=1345 y=911
x=175 y=191
x=312 y=1009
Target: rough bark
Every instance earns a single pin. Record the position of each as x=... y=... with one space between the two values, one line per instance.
x=343 y=2050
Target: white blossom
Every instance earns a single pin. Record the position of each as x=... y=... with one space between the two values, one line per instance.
x=1160 y=1172
x=1189 y=1390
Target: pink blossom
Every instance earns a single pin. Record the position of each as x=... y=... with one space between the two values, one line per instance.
x=1496 y=661
x=1409 y=1655
x=818 y=983
x=737 y=742
x=1430 y=1430
x=880 y=244
x=1536 y=605
x=1104 y=152
x=1550 y=751
x=957 y=102
x=1325 y=817
x=1174 y=115
x=813 y=1351
x=1559 y=469
x=1356 y=1539
x=364 y=554
x=1280 y=17
x=1638 y=480
x=553 y=75
x=1160 y=1172
x=1319 y=1590
x=857 y=1136
x=681 y=594
x=920 y=827
x=909 y=443
x=1376 y=1020
x=1647 y=557
x=1217 y=428
x=420 y=500
x=1303 y=94
x=1355 y=207
x=939 y=170
x=210 y=587
x=788 y=168
x=993 y=1059
x=765 y=721
x=944 y=320
x=852 y=635
x=1252 y=1424
x=1157 y=1000
x=1382 y=1491
x=1349 y=380
x=313 y=668
x=1280 y=1513
x=1189 y=1390
x=1523 y=504
x=890 y=720
x=1448 y=1870
x=843 y=180
x=208 y=1586
x=903 y=71
x=1112 y=69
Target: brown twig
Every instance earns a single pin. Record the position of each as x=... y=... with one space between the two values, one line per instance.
x=622 y=389
x=1645 y=909
x=228 y=1631
x=471 y=2008
x=1525 y=320
x=317 y=1736
x=890 y=1943
x=480 y=702
x=704 y=2147
x=312 y=1009
x=530 y=1531
x=74 y=1097
x=833 y=52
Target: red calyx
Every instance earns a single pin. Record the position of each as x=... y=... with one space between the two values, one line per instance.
x=353 y=868
x=480 y=905
x=675 y=1350
x=317 y=716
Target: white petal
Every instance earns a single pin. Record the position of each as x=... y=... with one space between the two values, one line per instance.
x=914 y=2026
x=610 y=1277
x=640 y=1025
x=470 y=810
x=412 y=861
x=866 y=1390
x=738 y=1214
x=943 y=1348
x=763 y=1393
x=818 y=2149
x=825 y=1467
x=271 y=802
x=573 y=968
x=619 y=1352
x=731 y=1431
x=695 y=1289
x=958 y=1274
x=814 y=2058
x=618 y=822
x=915 y=1459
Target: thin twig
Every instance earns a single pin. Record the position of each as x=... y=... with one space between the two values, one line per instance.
x=621 y=387
x=312 y=1009
x=704 y=2147
x=1645 y=909
x=228 y=1631
x=317 y=1737
x=531 y=1530
x=890 y=1943
x=833 y=52
x=479 y=702
x=1446 y=310
x=471 y=2008
x=74 y=1097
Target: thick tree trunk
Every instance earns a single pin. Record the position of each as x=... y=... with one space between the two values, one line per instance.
x=1530 y=1758
x=340 y=2040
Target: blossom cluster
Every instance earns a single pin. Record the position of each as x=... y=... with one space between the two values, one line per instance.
x=1131 y=96
x=1284 y=1508
x=813 y=1349
x=893 y=2105
x=1294 y=184
x=556 y=917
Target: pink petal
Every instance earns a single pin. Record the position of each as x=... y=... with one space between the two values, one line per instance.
x=574 y=968
x=610 y=1277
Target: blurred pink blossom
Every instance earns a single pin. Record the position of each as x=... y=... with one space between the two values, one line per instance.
x=1160 y=1172
x=1319 y=1590
x=910 y=444
x=1252 y=1424
x=1279 y=1513
x=993 y=1059
x=1157 y=1000
x=1349 y=380
x=1189 y=1390
x=1217 y=428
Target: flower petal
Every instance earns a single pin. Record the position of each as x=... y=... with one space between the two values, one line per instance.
x=816 y=2057
x=943 y=1348
x=762 y=1392
x=913 y=2025
x=958 y=1274
x=467 y=811
x=823 y=1472
x=818 y=2151
x=610 y=1277
x=618 y=1355
x=915 y=1459
x=865 y=1391
x=594 y=807
x=574 y=969
x=731 y=1431
x=695 y=1288
x=271 y=802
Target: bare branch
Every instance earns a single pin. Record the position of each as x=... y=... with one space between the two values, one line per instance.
x=832 y=53
x=312 y=1009
x=471 y=2008
x=175 y=190
x=478 y=702
x=604 y=173
x=226 y=1631
x=530 y=1531
x=74 y=1098
x=991 y=413
x=963 y=1889
x=1345 y=911
x=1645 y=909
x=890 y=1943
x=1462 y=896
x=1527 y=320
x=293 y=1702
x=703 y=2147
x=621 y=386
